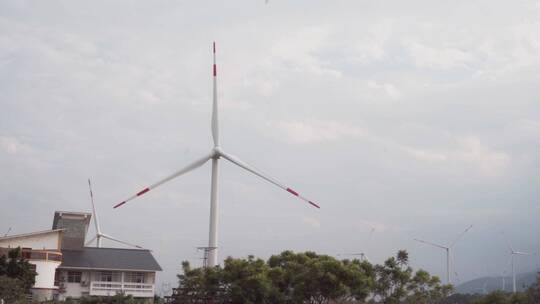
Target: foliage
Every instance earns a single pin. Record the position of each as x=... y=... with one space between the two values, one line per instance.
x=533 y=292
x=11 y=290
x=396 y=282
x=116 y=299
x=16 y=267
x=307 y=277
x=311 y=278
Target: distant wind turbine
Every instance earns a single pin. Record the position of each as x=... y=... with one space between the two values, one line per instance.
x=215 y=154
x=362 y=255
x=99 y=234
x=514 y=253
x=447 y=249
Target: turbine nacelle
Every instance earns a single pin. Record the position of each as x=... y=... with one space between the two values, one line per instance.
x=217 y=152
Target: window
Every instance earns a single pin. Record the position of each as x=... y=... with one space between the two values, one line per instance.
x=26 y=253
x=57 y=277
x=106 y=276
x=134 y=277
x=74 y=277
x=38 y=255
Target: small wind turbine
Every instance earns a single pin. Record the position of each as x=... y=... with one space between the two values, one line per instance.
x=514 y=253
x=7 y=232
x=362 y=255
x=447 y=249
x=99 y=234
x=215 y=155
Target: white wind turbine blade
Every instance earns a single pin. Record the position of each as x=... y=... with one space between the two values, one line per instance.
x=96 y=220
x=215 y=120
x=460 y=236
x=507 y=243
x=119 y=241
x=243 y=165
x=194 y=165
x=91 y=240
x=523 y=253
x=432 y=244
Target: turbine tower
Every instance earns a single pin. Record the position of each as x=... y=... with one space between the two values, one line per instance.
x=215 y=155
x=99 y=234
x=447 y=249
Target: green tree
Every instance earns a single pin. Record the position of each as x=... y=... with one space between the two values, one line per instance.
x=247 y=281
x=426 y=289
x=11 y=290
x=200 y=285
x=395 y=283
x=533 y=292
x=16 y=267
x=391 y=280
x=311 y=278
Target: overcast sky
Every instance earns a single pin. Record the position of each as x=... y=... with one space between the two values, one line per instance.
x=416 y=118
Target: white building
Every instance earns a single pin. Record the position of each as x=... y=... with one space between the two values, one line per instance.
x=43 y=250
x=106 y=272
x=66 y=268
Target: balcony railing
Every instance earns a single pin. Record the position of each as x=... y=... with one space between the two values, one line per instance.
x=42 y=255
x=98 y=288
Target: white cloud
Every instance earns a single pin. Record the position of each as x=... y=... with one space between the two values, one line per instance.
x=425 y=56
x=465 y=153
x=316 y=131
x=471 y=150
x=388 y=88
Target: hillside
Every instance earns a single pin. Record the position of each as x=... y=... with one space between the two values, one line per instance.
x=489 y=284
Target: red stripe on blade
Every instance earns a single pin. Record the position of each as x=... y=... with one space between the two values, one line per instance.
x=118 y=205
x=215 y=70
x=314 y=204
x=292 y=191
x=214 y=47
x=143 y=192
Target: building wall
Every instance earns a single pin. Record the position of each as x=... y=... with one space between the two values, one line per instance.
x=40 y=241
x=45 y=273
x=75 y=231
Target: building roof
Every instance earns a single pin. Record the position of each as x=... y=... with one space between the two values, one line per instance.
x=15 y=236
x=110 y=259
x=70 y=214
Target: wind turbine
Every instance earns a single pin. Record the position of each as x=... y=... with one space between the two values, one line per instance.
x=215 y=155
x=514 y=253
x=99 y=234
x=447 y=249
x=363 y=256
